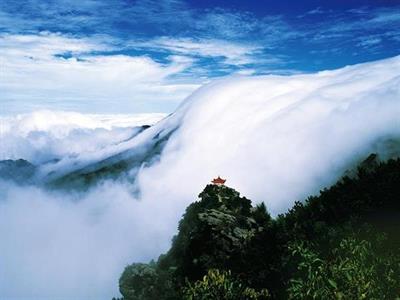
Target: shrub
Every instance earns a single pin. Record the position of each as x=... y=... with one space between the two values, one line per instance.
x=221 y=285
x=356 y=269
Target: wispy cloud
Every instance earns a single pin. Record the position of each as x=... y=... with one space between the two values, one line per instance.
x=369 y=41
x=232 y=53
x=377 y=19
x=39 y=61
x=364 y=30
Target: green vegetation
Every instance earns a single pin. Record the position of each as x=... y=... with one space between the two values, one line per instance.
x=354 y=270
x=342 y=244
x=223 y=286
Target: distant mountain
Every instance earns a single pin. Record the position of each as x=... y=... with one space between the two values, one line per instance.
x=117 y=161
x=20 y=171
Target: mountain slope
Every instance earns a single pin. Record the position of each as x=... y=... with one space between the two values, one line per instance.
x=344 y=236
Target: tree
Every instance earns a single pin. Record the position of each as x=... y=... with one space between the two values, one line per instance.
x=356 y=269
x=146 y=282
x=223 y=286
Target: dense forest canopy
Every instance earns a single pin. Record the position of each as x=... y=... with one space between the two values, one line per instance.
x=342 y=244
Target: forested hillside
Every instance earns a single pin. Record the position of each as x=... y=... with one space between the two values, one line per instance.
x=342 y=244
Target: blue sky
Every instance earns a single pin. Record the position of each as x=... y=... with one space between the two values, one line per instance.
x=146 y=56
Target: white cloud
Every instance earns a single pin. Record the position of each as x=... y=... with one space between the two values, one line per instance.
x=275 y=139
x=41 y=136
x=315 y=11
x=372 y=19
x=386 y=16
x=369 y=41
x=58 y=246
x=100 y=81
x=45 y=45
x=227 y=24
x=233 y=53
x=279 y=138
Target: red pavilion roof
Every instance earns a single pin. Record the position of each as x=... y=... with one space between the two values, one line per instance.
x=218 y=180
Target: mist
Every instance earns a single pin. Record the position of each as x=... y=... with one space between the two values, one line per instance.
x=44 y=135
x=72 y=246
x=276 y=139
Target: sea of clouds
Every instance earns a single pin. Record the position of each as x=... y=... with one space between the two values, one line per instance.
x=46 y=135
x=276 y=139
x=67 y=245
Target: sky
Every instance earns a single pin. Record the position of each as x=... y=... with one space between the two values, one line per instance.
x=147 y=56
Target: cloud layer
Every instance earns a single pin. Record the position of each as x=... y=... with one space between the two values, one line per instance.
x=57 y=246
x=276 y=139
x=46 y=135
